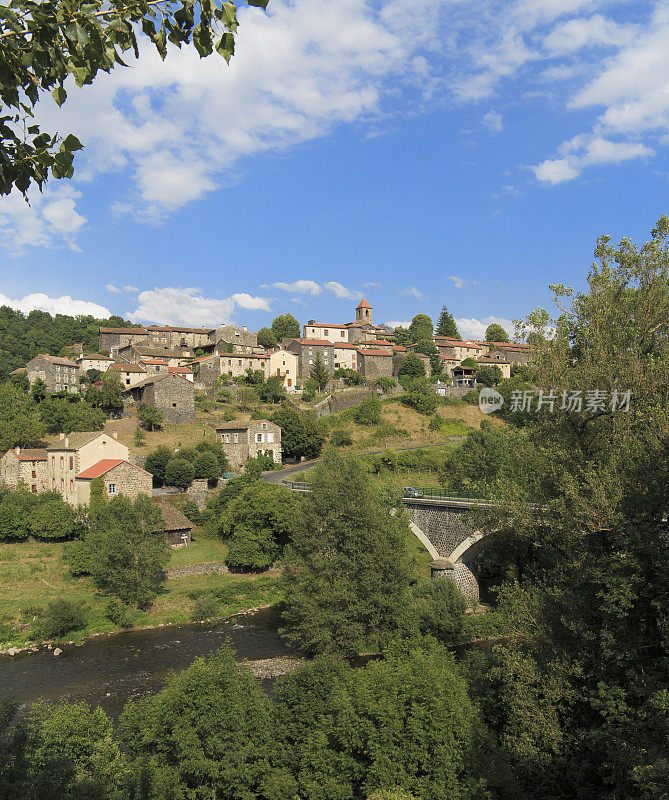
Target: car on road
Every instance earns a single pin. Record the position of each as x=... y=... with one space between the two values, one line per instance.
x=410 y=491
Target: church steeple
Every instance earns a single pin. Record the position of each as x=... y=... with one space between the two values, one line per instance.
x=363 y=312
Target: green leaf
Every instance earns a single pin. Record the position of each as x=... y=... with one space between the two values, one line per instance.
x=71 y=143
x=59 y=95
x=258 y=3
x=226 y=46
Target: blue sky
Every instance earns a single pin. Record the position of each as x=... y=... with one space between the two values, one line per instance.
x=419 y=153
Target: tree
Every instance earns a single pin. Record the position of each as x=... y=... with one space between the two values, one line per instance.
x=470 y=362
x=19 y=419
x=319 y=372
x=368 y=412
x=156 y=462
x=438 y=609
x=179 y=473
x=421 y=396
x=124 y=549
x=488 y=374
x=402 y=336
x=52 y=518
x=446 y=325
x=428 y=348
x=38 y=390
x=208 y=733
x=150 y=417
x=15 y=508
x=262 y=507
x=300 y=435
x=309 y=391
x=266 y=338
x=61 y=415
x=421 y=328
x=412 y=367
x=272 y=390
x=110 y=398
x=42 y=44
x=139 y=437
x=206 y=465
x=285 y=326
x=346 y=573
x=496 y=333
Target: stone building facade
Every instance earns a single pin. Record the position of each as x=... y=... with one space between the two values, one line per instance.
x=176 y=526
x=232 y=335
x=174 y=395
x=129 y=374
x=75 y=452
x=119 y=477
x=169 y=337
x=306 y=351
x=244 y=440
x=59 y=374
x=94 y=361
x=114 y=338
x=235 y=364
x=497 y=360
x=24 y=465
x=375 y=364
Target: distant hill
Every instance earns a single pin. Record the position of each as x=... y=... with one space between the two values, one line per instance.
x=24 y=336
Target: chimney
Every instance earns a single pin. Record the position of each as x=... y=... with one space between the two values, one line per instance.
x=61 y=436
x=67 y=441
x=115 y=434
x=17 y=450
x=244 y=328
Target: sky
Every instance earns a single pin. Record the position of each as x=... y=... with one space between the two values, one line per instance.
x=419 y=153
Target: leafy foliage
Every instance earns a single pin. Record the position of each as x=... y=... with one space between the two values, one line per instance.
x=446 y=325
x=300 y=435
x=150 y=417
x=496 y=333
x=266 y=338
x=421 y=396
x=421 y=328
x=285 y=326
x=368 y=412
x=488 y=374
x=60 y=415
x=42 y=44
x=20 y=424
x=412 y=367
x=179 y=473
x=61 y=617
x=346 y=573
x=319 y=372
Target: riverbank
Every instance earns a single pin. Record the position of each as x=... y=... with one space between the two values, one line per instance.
x=32 y=574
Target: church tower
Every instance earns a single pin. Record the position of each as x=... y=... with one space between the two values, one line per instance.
x=363 y=312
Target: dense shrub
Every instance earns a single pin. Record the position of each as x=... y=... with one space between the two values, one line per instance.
x=251 y=550
x=61 y=617
x=368 y=412
x=205 y=607
x=179 y=473
x=421 y=396
x=438 y=608
x=190 y=509
x=119 y=613
x=341 y=438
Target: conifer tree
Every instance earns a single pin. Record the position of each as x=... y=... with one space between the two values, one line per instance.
x=446 y=325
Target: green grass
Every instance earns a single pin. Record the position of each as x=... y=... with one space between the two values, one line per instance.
x=32 y=574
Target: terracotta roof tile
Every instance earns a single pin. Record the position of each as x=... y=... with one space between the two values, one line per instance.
x=100 y=468
x=363 y=304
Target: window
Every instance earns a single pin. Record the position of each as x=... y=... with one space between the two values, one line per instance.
x=240 y=362
x=343 y=334
x=71 y=485
x=62 y=484
x=71 y=462
x=236 y=438
x=258 y=437
x=33 y=488
x=53 y=483
x=226 y=438
x=264 y=426
x=112 y=488
x=326 y=332
x=34 y=474
x=127 y=381
x=62 y=462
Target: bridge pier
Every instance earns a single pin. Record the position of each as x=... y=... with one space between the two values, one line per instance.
x=453 y=544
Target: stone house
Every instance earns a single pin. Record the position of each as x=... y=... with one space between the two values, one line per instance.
x=306 y=351
x=375 y=344
x=236 y=363
x=174 y=395
x=115 y=338
x=449 y=365
x=174 y=358
x=457 y=349
x=283 y=363
x=176 y=526
x=373 y=364
x=170 y=337
x=399 y=354
x=74 y=453
x=94 y=361
x=499 y=360
x=244 y=440
x=24 y=465
x=323 y=330
x=129 y=374
x=514 y=353
x=206 y=370
x=362 y=330
x=185 y=371
x=345 y=356
x=232 y=335
x=119 y=477
x=59 y=374
x=154 y=366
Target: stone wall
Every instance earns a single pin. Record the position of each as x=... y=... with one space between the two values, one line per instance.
x=197 y=492
x=209 y=568
x=129 y=480
x=373 y=366
x=175 y=397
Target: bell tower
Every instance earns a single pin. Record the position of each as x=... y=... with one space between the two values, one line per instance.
x=363 y=312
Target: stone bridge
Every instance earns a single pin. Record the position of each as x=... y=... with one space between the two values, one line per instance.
x=442 y=527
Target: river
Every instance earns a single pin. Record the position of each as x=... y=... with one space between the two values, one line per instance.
x=108 y=670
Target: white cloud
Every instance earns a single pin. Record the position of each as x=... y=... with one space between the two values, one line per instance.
x=55 y=305
x=595 y=31
x=113 y=289
x=585 y=151
x=399 y=324
x=51 y=219
x=174 y=306
x=300 y=286
x=411 y=291
x=341 y=291
x=476 y=328
x=462 y=283
x=131 y=289
x=493 y=122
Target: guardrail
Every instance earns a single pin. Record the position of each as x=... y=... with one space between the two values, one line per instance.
x=409 y=493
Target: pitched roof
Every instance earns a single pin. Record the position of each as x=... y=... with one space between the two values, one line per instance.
x=19 y=371
x=344 y=346
x=141 y=331
x=65 y=362
x=363 y=304
x=321 y=342
x=118 y=367
x=75 y=440
x=173 y=519
x=100 y=468
x=171 y=328
x=160 y=352
x=201 y=359
x=489 y=360
x=400 y=348
x=94 y=357
x=34 y=454
x=180 y=370
x=373 y=352
x=156 y=378
x=324 y=325
x=153 y=361
x=239 y=426
x=376 y=341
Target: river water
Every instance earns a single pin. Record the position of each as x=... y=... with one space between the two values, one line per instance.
x=108 y=670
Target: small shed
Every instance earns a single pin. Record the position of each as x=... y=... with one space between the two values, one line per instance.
x=177 y=526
